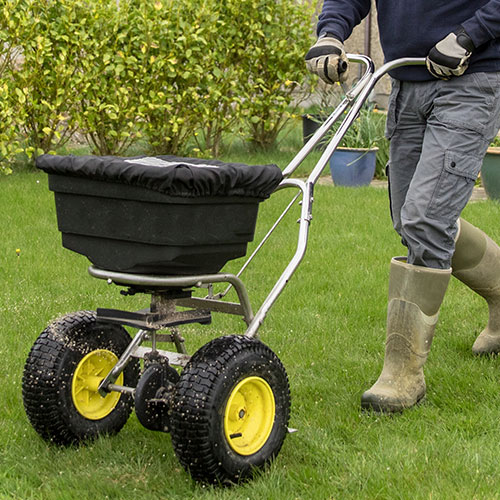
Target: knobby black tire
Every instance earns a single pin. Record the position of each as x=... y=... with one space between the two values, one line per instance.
x=199 y=403
x=48 y=374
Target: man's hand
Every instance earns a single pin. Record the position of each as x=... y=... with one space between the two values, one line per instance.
x=450 y=56
x=327 y=59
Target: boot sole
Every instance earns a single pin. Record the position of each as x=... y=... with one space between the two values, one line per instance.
x=387 y=407
x=492 y=353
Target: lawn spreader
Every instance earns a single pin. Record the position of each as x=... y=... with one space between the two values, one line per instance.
x=164 y=227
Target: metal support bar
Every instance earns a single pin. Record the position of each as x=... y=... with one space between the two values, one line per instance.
x=261 y=244
x=178 y=341
x=152 y=320
x=305 y=219
x=174 y=358
x=213 y=305
x=121 y=388
x=178 y=282
x=315 y=138
x=112 y=376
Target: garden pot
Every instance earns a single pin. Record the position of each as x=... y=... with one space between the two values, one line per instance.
x=311 y=123
x=353 y=167
x=490 y=173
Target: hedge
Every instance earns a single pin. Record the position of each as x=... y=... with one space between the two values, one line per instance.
x=178 y=73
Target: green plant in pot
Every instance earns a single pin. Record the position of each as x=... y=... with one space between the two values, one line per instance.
x=323 y=100
x=363 y=151
x=490 y=171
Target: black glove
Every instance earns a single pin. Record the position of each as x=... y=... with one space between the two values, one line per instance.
x=450 y=56
x=327 y=59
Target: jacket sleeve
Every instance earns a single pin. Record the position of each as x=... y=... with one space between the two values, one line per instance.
x=484 y=25
x=339 y=17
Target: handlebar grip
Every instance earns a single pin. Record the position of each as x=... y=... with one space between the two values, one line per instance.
x=342 y=66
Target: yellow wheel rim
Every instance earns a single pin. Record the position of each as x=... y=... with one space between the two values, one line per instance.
x=88 y=375
x=249 y=415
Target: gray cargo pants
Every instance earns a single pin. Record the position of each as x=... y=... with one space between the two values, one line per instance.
x=439 y=132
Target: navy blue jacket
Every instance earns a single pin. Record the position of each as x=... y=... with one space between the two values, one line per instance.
x=410 y=28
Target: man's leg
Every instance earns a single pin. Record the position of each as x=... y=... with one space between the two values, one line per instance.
x=406 y=123
x=476 y=262
x=412 y=312
x=459 y=128
x=465 y=117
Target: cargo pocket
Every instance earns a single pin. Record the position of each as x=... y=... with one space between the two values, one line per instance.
x=454 y=187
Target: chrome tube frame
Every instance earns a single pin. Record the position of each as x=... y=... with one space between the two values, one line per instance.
x=178 y=282
x=304 y=221
x=350 y=97
x=355 y=98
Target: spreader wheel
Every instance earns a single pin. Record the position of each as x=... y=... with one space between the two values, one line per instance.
x=230 y=410
x=62 y=374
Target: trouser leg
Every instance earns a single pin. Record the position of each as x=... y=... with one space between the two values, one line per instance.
x=406 y=122
x=457 y=120
x=430 y=184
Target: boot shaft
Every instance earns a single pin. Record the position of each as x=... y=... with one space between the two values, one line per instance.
x=470 y=247
x=423 y=286
x=476 y=263
x=415 y=296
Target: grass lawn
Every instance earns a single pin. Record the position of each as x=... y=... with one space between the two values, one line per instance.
x=328 y=328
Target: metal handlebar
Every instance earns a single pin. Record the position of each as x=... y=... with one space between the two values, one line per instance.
x=327 y=125
x=354 y=98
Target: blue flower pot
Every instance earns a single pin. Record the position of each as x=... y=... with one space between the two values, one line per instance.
x=353 y=167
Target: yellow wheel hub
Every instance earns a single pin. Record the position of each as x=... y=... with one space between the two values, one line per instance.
x=88 y=375
x=249 y=415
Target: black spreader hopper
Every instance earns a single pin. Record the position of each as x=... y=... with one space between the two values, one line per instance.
x=157 y=215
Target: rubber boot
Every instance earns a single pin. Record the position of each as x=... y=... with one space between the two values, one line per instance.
x=415 y=296
x=476 y=262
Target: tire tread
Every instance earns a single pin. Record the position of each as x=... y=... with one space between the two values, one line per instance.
x=42 y=378
x=192 y=410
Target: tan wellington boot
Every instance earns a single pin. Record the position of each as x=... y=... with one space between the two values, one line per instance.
x=476 y=263
x=415 y=296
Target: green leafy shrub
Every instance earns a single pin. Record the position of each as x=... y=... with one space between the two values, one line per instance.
x=277 y=35
x=107 y=113
x=180 y=73
x=47 y=76
x=172 y=43
x=220 y=87
x=10 y=118
x=11 y=109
